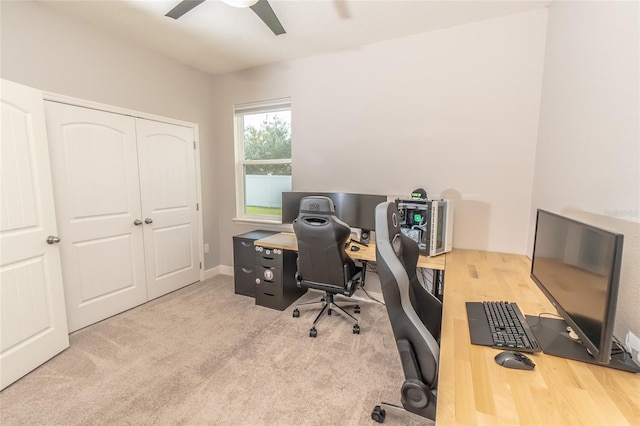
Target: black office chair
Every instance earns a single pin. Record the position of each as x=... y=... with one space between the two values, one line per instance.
x=323 y=263
x=397 y=258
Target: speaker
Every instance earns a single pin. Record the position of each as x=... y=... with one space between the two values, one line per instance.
x=365 y=236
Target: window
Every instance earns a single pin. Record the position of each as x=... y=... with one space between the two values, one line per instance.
x=263 y=158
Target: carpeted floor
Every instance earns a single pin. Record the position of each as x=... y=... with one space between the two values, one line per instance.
x=204 y=355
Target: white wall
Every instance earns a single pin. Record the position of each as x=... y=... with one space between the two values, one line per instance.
x=454 y=111
x=588 y=154
x=45 y=49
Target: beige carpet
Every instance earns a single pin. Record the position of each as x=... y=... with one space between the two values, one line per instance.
x=204 y=355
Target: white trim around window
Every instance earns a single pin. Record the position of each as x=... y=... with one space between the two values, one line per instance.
x=271 y=204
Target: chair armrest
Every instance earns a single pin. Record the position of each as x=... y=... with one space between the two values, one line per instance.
x=352 y=284
x=416 y=395
x=408 y=360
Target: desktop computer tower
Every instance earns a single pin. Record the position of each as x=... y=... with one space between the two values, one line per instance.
x=429 y=223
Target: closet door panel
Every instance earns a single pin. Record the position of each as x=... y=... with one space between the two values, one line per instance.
x=33 y=323
x=168 y=188
x=97 y=193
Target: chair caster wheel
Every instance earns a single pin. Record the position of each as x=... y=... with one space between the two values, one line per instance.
x=296 y=313
x=329 y=312
x=356 y=329
x=356 y=309
x=378 y=414
x=313 y=332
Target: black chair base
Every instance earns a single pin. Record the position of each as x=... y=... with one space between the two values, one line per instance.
x=328 y=307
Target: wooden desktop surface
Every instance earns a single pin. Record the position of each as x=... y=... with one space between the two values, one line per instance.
x=287 y=241
x=473 y=389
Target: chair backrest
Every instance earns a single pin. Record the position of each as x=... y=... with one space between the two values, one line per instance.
x=397 y=258
x=427 y=306
x=322 y=240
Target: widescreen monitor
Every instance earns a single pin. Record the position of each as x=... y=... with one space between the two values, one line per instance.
x=357 y=210
x=577 y=266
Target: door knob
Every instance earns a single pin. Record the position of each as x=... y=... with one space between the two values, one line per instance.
x=148 y=221
x=137 y=222
x=52 y=240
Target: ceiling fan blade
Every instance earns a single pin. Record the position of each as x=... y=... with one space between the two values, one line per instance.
x=265 y=12
x=182 y=8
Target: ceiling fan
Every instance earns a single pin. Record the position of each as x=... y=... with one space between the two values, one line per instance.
x=262 y=8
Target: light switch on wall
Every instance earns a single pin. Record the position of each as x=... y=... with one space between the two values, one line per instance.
x=206 y=248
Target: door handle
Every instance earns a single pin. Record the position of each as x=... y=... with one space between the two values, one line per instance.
x=137 y=222
x=52 y=240
x=148 y=221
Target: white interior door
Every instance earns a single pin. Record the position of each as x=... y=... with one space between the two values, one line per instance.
x=33 y=325
x=168 y=182
x=97 y=196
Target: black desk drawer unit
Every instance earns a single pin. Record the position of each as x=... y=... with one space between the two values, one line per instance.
x=244 y=261
x=276 y=286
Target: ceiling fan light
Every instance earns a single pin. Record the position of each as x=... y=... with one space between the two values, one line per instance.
x=240 y=3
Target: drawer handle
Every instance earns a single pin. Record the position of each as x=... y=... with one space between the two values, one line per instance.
x=246 y=271
x=268 y=294
x=267 y=258
x=246 y=244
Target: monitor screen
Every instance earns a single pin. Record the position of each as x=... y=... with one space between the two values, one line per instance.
x=577 y=266
x=357 y=210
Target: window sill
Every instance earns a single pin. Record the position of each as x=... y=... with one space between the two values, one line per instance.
x=272 y=223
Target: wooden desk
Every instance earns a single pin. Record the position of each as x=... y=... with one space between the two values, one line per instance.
x=473 y=389
x=287 y=241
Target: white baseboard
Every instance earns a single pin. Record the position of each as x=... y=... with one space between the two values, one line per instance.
x=218 y=270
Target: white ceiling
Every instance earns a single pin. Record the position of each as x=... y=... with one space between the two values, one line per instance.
x=217 y=38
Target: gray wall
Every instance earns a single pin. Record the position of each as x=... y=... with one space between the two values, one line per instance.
x=588 y=154
x=46 y=49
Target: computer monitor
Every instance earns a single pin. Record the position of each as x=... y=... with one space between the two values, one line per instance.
x=357 y=210
x=577 y=267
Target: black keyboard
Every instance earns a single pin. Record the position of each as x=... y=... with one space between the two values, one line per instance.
x=501 y=325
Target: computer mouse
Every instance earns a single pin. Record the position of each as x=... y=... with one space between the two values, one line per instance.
x=355 y=248
x=514 y=360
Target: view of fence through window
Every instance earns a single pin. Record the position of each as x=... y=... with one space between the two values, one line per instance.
x=267 y=167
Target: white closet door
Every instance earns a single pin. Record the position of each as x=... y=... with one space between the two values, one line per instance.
x=32 y=311
x=168 y=182
x=97 y=196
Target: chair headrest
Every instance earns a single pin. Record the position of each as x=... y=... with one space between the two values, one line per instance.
x=317 y=205
x=387 y=214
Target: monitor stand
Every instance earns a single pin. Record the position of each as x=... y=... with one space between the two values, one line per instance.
x=553 y=338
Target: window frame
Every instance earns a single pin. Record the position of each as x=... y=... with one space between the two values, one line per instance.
x=239 y=111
